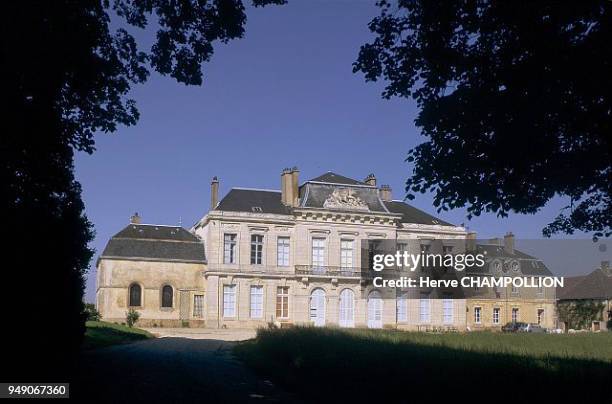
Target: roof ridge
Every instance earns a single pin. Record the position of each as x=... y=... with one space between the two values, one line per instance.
x=257 y=189
x=157 y=225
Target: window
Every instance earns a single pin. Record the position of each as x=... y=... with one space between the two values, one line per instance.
x=515 y=314
x=317 y=307
x=229 y=300
x=257 y=301
x=401 y=247
x=477 y=315
x=167 y=293
x=282 y=302
x=256 y=249
x=282 y=251
x=318 y=252
x=447 y=249
x=374 y=248
x=135 y=295
x=514 y=289
x=540 y=316
x=425 y=247
x=447 y=311
x=424 y=308
x=198 y=306
x=496 y=315
x=229 y=249
x=402 y=307
x=346 y=253
x=540 y=290
x=347 y=308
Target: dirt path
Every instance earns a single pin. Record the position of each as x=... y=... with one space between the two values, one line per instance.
x=171 y=370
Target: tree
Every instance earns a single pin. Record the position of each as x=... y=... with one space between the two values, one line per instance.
x=515 y=99
x=66 y=76
x=580 y=314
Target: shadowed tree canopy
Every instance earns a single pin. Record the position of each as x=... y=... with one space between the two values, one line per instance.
x=515 y=99
x=67 y=73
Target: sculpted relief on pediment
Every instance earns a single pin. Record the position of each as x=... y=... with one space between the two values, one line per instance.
x=345 y=198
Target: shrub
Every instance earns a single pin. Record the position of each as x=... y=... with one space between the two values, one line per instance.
x=131 y=317
x=91 y=313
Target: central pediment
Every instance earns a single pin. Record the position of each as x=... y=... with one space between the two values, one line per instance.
x=345 y=198
x=341 y=197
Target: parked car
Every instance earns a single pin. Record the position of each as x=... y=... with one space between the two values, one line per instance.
x=513 y=326
x=535 y=328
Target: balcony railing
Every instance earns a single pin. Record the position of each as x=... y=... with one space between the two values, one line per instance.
x=315 y=270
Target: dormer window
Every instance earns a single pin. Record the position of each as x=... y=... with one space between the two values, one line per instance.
x=256 y=209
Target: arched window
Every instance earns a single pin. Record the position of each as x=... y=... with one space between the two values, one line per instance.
x=135 y=295
x=167 y=296
x=347 y=308
x=375 y=309
x=317 y=307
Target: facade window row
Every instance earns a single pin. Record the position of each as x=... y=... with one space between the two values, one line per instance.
x=318 y=251
x=135 y=296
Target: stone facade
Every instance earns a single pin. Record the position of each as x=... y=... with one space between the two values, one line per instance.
x=116 y=276
x=289 y=257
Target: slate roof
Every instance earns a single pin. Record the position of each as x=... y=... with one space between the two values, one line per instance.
x=313 y=194
x=596 y=285
x=528 y=265
x=334 y=178
x=410 y=214
x=155 y=243
x=249 y=200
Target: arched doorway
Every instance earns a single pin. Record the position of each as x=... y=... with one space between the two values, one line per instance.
x=375 y=309
x=317 y=307
x=347 y=308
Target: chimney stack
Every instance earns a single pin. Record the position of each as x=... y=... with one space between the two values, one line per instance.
x=470 y=241
x=286 y=182
x=370 y=180
x=509 y=243
x=135 y=219
x=385 y=193
x=214 y=193
x=295 y=186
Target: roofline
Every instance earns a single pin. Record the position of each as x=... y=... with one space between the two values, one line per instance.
x=256 y=189
x=149 y=259
x=157 y=240
x=156 y=225
x=339 y=183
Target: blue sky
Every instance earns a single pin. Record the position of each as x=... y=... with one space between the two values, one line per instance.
x=284 y=95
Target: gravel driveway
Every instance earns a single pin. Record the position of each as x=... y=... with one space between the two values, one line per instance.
x=171 y=369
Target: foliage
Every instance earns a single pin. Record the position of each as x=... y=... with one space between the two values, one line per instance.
x=100 y=334
x=131 y=317
x=91 y=313
x=423 y=367
x=579 y=314
x=514 y=100
x=67 y=73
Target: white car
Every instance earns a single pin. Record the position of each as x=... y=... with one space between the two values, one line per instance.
x=535 y=328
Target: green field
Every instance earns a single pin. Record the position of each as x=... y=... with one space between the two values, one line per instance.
x=394 y=366
x=100 y=334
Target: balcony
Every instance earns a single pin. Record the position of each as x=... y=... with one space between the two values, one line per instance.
x=315 y=270
x=284 y=271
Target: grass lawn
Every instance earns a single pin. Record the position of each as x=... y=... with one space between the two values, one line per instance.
x=100 y=334
x=396 y=366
